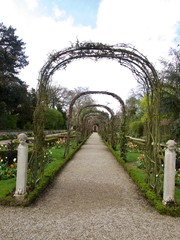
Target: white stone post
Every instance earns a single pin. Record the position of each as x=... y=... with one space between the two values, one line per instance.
x=22 y=163
x=169 y=173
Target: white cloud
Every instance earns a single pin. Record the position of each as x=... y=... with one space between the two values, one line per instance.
x=31 y=4
x=58 y=13
x=149 y=25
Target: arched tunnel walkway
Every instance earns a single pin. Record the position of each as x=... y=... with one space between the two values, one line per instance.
x=92 y=198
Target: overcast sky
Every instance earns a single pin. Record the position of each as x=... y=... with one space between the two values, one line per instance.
x=152 y=26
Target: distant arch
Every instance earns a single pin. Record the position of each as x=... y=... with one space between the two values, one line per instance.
x=96 y=105
x=123 y=119
x=93 y=116
x=112 y=140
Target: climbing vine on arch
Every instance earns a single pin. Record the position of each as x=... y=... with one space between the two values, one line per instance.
x=86 y=121
x=101 y=119
x=127 y=56
x=123 y=119
x=82 y=112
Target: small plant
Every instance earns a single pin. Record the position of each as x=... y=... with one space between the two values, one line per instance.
x=8 y=165
x=8 y=152
x=132 y=147
x=3 y=147
x=48 y=156
x=60 y=142
x=7 y=171
x=140 y=161
x=36 y=170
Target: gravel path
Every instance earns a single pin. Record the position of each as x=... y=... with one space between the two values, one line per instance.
x=92 y=198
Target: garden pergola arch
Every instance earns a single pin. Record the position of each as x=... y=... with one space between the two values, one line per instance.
x=123 y=119
x=119 y=99
x=96 y=105
x=99 y=121
x=127 y=56
x=101 y=106
x=92 y=117
x=95 y=114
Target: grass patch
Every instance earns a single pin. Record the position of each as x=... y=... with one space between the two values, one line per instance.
x=7 y=187
x=132 y=156
x=177 y=195
x=57 y=155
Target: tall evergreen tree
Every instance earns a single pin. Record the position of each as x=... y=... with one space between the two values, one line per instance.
x=13 y=91
x=12 y=54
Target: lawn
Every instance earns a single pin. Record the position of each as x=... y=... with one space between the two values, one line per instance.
x=132 y=158
x=177 y=195
x=7 y=186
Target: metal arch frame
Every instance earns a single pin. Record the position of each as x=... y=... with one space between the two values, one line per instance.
x=123 y=120
x=127 y=56
x=112 y=141
x=94 y=116
x=96 y=105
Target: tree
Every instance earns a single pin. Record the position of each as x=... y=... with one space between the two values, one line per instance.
x=80 y=102
x=135 y=114
x=136 y=128
x=133 y=108
x=170 y=97
x=26 y=109
x=12 y=54
x=13 y=91
x=53 y=119
x=60 y=98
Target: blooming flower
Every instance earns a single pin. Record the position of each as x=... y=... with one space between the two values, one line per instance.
x=11 y=165
x=141 y=157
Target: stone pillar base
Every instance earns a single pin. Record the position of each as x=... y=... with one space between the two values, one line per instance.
x=169 y=203
x=20 y=198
